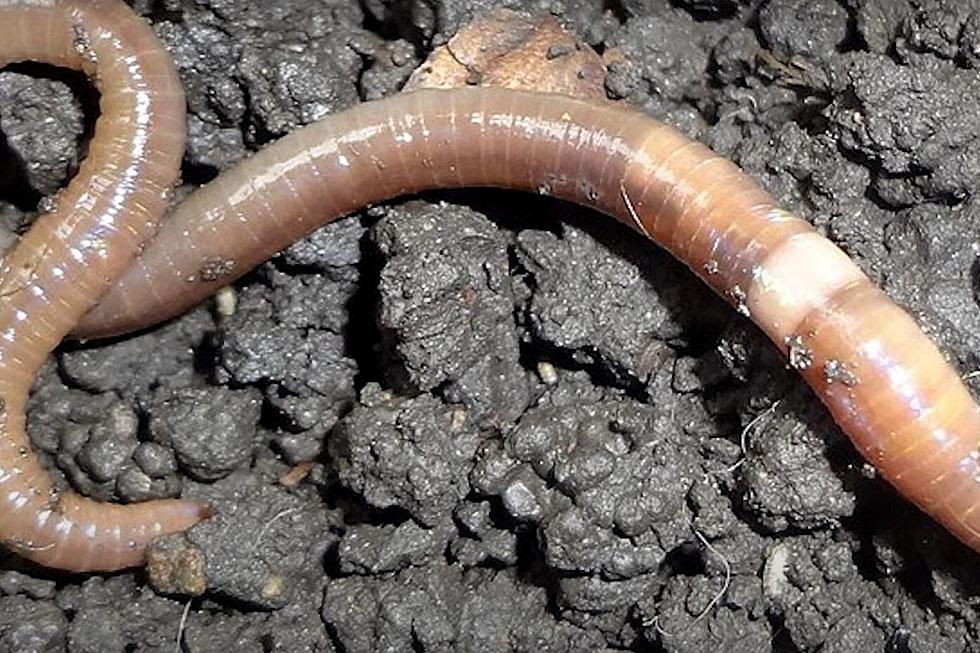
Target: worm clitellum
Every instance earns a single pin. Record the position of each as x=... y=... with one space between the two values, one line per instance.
x=884 y=381
x=70 y=257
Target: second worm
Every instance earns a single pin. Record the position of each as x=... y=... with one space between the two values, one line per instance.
x=70 y=257
x=886 y=384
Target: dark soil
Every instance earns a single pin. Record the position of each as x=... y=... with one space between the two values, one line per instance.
x=532 y=431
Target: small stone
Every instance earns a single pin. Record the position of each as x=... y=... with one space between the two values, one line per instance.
x=175 y=566
x=110 y=445
x=155 y=460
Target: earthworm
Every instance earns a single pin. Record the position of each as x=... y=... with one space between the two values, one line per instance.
x=886 y=384
x=71 y=255
x=883 y=380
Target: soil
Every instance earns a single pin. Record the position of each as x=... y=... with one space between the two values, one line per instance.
x=483 y=421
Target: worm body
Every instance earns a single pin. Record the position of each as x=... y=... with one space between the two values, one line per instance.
x=886 y=384
x=71 y=256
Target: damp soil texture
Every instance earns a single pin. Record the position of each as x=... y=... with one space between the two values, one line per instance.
x=483 y=421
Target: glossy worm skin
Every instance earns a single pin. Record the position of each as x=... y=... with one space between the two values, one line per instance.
x=885 y=383
x=71 y=256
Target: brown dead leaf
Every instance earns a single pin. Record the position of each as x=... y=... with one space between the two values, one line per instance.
x=517 y=50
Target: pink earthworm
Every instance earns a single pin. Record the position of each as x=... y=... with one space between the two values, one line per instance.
x=886 y=384
x=71 y=256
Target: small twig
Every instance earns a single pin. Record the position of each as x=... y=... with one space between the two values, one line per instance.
x=268 y=524
x=714 y=600
x=744 y=437
x=180 y=628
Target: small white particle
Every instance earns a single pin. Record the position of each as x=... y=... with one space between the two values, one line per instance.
x=20 y=315
x=58 y=272
x=547 y=372
x=836 y=371
x=800 y=356
x=738 y=297
x=774 y=573
x=343 y=161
